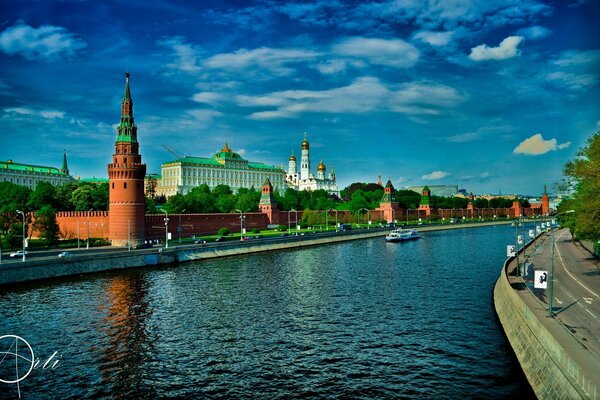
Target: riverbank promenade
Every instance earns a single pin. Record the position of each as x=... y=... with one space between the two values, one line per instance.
x=560 y=354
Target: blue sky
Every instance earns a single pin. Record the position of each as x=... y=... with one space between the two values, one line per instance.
x=489 y=95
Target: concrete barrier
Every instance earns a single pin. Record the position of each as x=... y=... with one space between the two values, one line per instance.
x=544 y=348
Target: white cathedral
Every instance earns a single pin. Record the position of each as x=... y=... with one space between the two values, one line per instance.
x=306 y=180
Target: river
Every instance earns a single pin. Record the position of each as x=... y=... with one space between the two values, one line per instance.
x=361 y=319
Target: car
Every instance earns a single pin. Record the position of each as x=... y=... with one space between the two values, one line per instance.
x=200 y=241
x=65 y=254
x=17 y=254
x=144 y=246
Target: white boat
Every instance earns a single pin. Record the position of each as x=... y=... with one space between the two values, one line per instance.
x=399 y=235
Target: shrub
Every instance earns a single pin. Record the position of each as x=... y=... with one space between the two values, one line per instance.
x=223 y=232
x=255 y=230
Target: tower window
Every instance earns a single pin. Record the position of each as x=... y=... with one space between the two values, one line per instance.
x=125 y=160
x=124 y=185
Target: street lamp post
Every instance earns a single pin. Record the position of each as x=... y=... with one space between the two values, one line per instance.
x=23 y=215
x=87 y=245
x=517 y=224
x=336 y=217
x=241 y=224
x=166 y=228
x=180 y=228
x=290 y=221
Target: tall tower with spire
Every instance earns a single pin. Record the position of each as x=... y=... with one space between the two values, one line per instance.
x=305 y=160
x=126 y=179
x=545 y=202
x=65 y=167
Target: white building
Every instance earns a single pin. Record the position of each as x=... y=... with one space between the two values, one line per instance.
x=30 y=175
x=306 y=180
x=224 y=168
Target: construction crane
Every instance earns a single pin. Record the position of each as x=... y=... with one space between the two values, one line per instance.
x=170 y=150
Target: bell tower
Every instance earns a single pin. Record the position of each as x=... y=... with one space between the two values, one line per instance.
x=126 y=181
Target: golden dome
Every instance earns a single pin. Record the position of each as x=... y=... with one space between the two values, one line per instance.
x=321 y=167
x=305 y=143
x=226 y=149
x=292 y=158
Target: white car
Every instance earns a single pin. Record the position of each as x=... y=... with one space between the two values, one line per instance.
x=65 y=254
x=18 y=254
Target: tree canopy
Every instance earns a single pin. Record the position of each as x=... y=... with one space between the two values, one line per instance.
x=583 y=174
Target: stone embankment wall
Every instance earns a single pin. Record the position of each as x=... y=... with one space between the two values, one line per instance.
x=549 y=366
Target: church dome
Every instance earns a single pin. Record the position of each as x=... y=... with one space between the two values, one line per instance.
x=292 y=158
x=321 y=167
x=305 y=144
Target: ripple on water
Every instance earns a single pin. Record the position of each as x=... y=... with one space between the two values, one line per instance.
x=363 y=319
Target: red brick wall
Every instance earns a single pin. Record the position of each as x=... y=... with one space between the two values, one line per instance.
x=68 y=222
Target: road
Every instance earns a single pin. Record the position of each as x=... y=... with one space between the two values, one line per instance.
x=576 y=295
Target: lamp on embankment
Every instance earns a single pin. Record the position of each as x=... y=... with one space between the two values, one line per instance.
x=23 y=215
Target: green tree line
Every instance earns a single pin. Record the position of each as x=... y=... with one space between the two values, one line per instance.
x=582 y=209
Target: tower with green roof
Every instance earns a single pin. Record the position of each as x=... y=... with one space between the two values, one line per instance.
x=425 y=202
x=126 y=175
x=267 y=204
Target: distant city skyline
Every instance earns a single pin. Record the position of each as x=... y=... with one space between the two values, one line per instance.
x=487 y=95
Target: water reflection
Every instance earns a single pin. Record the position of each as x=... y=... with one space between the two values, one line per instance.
x=127 y=341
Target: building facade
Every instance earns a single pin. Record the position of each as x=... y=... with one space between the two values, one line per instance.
x=30 y=175
x=224 y=168
x=436 y=190
x=127 y=223
x=305 y=179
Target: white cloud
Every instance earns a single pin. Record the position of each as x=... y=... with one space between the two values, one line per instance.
x=46 y=114
x=508 y=48
x=435 y=175
x=464 y=137
x=44 y=43
x=534 y=32
x=208 y=97
x=572 y=81
x=366 y=94
x=434 y=38
x=274 y=60
x=387 y=52
x=579 y=58
x=598 y=124
x=536 y=145
x=185 y=55
x=204 y=115
x=332 y=66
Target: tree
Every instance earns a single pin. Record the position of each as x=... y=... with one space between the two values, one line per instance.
x=13 y=197
x=584 y=173
x=45 y=223
x=43 y=195
x=82 y=198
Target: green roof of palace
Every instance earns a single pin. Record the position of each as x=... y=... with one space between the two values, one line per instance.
x=94 y=180
x=213 y=161
x=30 y=168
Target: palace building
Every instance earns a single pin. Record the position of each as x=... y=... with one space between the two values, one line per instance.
x=224 y=168
x=30 y=175
x=306 y=180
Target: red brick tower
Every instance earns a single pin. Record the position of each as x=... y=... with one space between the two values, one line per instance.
x=388 y=204
x=545 y=202
x=126 y=179
x=471 y=206
x=267 y=204
x=517 y=208
x=424 y=204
